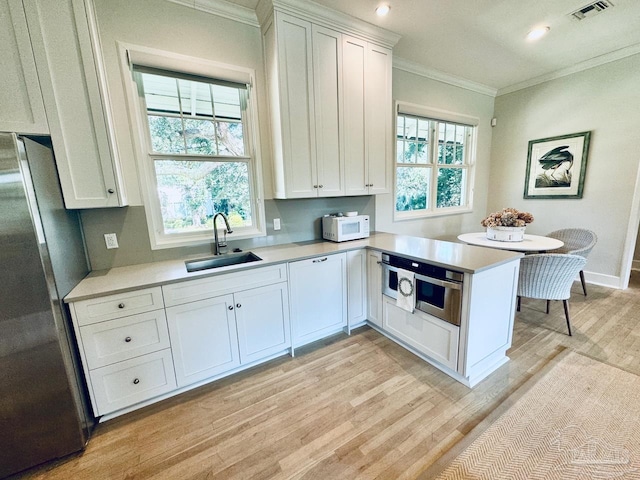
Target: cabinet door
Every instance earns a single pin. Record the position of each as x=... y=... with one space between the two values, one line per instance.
x=327 y=59
x=75 y=101
x=204 y=340
x=317 y=292
x=353 y=81
x=374 y=288
x=262 y=315
x=22 y=107
x=295 y=67
x=356 y=287
x=379 y=133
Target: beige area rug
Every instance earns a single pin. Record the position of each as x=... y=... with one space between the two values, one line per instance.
x=577 y=419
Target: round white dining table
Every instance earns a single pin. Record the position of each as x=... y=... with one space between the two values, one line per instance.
x=531 y=243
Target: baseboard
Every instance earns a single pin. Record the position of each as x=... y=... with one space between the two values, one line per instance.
x=610 y=281
x=635 y=265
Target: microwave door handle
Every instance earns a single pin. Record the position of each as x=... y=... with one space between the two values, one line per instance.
x=440 y=283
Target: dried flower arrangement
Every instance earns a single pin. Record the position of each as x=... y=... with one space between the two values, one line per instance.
x=507 y=217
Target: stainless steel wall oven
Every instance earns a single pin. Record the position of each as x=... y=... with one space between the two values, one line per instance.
x=438 y=290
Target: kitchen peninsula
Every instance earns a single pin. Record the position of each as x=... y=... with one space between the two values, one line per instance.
x=150 y=331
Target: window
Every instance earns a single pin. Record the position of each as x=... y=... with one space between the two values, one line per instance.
x=196 y=155
x=433 y=166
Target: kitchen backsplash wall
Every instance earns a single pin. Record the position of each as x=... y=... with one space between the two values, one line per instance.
x=300 y=222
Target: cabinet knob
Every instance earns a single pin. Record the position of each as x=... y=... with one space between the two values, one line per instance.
x=230 y=307
x=238 y=305
x=121 y=305
x=320 y=186
x=136 y=381
x=315 y=186
x=128 y=339
x=111 y=190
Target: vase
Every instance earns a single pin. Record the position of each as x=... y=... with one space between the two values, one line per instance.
x=506 y=234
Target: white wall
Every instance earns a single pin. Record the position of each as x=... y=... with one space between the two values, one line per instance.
x=417 y=89
x=167 y=26
x=605 y=100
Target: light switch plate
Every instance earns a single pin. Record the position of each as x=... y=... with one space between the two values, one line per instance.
x=276 y=224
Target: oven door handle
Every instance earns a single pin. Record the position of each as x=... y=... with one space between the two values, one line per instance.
x=440 y=283
x=424 y=278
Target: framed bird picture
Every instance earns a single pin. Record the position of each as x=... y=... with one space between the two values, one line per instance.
x=556 y=166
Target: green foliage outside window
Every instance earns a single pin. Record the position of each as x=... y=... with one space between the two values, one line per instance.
x=198 y=157
x=415 y=171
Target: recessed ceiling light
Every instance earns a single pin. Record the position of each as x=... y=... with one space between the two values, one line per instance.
x=382 y=10
x=537 y=33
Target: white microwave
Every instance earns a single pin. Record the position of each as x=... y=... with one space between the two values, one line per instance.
x=342 y=229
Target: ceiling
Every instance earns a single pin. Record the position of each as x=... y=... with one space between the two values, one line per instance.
x=484 y=40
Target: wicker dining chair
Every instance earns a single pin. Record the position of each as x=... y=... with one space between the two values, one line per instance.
x=577 y=241
x=549 y=276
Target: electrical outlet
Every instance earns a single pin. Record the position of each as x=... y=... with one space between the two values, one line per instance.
x=111 y=240
x=276 y=224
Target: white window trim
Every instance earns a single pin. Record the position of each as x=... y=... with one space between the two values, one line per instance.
x=445 y=116
x=130 y=54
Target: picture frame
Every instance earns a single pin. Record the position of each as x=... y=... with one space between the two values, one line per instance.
x=556 y=166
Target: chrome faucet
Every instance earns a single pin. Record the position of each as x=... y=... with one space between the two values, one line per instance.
x=216 y=243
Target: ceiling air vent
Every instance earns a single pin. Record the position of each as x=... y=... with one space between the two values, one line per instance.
x=592 y=9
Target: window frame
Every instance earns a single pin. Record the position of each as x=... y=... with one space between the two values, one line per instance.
x=438 y=116
x=133 y=55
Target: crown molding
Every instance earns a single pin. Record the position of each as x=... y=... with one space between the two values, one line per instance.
x=329 y=18
x=418 y=69
x=224 y=9
x=578 y=67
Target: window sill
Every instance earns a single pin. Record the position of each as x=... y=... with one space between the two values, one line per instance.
x=420 y=215
x=204 y=238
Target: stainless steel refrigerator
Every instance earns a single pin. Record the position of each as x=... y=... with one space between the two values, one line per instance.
x=43 y=408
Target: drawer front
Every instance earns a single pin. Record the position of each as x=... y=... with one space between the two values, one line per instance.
x=100 y=309
x=429 y=335
x=126 y=383
x=116 y=340
x=193 y=290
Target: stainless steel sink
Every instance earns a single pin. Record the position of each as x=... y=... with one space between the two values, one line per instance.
x=221 y=261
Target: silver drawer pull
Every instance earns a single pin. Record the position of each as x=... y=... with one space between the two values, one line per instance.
x=230 y=307
x=136 y=381
x=121 y=305
x=318 y=260
x=238 y=305
x=128 y=339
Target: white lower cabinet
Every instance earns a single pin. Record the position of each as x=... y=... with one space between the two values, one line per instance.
x=318 y=293
x=262 y=317
x=204 y=338
x=374 y=287
x=356 y=287
x=210 y=337
x=429 y=335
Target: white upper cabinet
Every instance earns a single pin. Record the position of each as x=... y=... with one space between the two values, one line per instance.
x=379 y=133
x=65 y=44
x=327 y=99
x=329 y=82
x=367 y=105
x=22 y=107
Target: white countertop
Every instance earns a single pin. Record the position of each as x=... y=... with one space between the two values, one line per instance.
x=461 y=257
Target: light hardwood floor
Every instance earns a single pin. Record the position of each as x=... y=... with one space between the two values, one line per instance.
x=349 y=407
